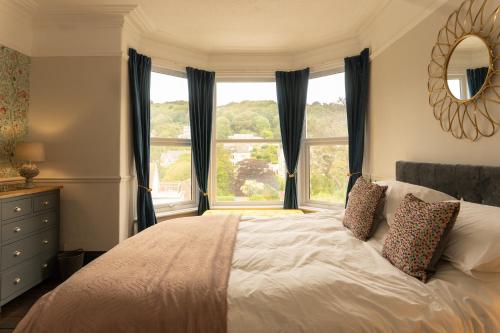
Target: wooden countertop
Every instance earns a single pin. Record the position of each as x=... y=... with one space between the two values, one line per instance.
x=10 y=191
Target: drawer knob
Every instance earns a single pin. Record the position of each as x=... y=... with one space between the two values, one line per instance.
x=17 y=209
x=45 y=265
x=45 y=203
x=17 y=280
x=45 y=221
x=45 y=242
x=17 y=253
x=17 y=229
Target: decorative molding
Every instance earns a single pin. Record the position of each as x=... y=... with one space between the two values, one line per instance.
x=108 y=30
x=140 y=21
x=16 y=24
x=87 y=10
x=365 y=36
x=26 y=8
x=80 y=180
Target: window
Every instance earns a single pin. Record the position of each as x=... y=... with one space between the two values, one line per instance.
x=249 y=162
x=325 y=148
x=171 y=171
x=457 y=83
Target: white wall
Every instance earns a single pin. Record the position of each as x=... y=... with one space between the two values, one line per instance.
x=401 y=125
x=77 y=110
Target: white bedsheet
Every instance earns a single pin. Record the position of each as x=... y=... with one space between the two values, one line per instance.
x=308 y=274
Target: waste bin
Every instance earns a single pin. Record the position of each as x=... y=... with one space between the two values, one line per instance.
x=69 y=262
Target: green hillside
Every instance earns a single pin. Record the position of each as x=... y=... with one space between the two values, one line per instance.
x=253 y=178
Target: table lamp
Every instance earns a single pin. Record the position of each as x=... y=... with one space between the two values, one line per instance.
x=29 y=152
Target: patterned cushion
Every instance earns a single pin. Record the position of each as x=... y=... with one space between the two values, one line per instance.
x=364 y=202
x=418 y=235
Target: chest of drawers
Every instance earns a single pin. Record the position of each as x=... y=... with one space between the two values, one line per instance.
x=28 y=239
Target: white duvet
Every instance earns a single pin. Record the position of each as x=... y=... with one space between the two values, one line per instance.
x=309 y=274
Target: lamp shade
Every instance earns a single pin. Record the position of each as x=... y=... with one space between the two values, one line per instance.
x=30 y=151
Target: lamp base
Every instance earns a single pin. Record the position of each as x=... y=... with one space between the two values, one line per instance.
x=29 y=171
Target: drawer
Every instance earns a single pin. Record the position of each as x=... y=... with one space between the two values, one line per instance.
x=26 y=248
x=46 y=201
x=19 y=229
x=21 y=277
x=16 y=208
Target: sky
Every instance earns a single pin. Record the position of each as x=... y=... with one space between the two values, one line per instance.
x=167 y=88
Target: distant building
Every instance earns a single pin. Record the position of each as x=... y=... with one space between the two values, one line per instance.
x=241 y=151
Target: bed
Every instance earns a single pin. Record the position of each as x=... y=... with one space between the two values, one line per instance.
x=303 y=273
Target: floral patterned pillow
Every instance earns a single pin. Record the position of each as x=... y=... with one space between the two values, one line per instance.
x=364 y=202
x=418 y=235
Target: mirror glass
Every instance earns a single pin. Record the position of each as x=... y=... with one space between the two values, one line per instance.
x=468 y=67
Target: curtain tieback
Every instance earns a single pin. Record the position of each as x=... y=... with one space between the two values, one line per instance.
x=350 y=174
x=148 y=189
x=205 y=194
x=291 y=174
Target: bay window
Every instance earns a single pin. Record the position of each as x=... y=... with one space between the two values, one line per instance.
x=247 y=164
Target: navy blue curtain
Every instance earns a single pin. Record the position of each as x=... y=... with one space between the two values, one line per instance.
x=357 y=77
x=292 y=96
x=201 y=92
x=139 y=71
x=475 y=79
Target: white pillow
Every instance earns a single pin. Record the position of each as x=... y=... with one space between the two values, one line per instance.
x=397 y=190
x=474 y=243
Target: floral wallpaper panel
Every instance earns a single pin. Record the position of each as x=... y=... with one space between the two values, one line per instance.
x=14 y=102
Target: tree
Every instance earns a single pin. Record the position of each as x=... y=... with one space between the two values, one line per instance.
x=178 y=171
x=251 y=169
x=268 y=153
x=225 y=173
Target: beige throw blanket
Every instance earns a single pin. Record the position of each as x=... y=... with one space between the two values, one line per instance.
x=171 y=277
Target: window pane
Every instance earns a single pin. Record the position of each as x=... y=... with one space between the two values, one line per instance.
x=250 y=172
x=170 y=174
x=247 y=110
x=325 y=111
x=454 y=85
x=328 y=173
x=169 y=107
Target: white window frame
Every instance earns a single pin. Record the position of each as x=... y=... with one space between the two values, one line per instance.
x=304 y=168
x=163 y=142
x=462 y=79
x=213 y=160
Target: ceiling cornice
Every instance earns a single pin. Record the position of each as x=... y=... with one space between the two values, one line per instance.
x=132 y=20
x=29 y=6
x=366 y=35
x=84 y=15
x=25 y=8
x=87 y=10
x=141 y=21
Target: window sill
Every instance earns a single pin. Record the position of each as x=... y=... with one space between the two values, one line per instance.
x=262 y=207
x=171 y=214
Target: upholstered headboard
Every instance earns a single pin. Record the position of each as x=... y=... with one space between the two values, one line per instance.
x=479 y=184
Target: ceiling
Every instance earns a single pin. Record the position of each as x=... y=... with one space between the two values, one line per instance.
x=260 y=26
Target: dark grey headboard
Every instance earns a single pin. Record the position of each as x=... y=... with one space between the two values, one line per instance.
x=479 y=184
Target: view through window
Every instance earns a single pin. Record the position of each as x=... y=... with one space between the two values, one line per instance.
x=170 y=165
x=249 y=160
x=248 y=164
x=326 y=140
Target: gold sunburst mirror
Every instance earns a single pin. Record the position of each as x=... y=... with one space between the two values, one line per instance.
x=463 y=85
